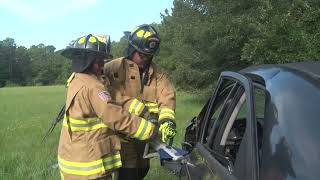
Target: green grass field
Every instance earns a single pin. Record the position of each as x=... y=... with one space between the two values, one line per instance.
x=25 y=115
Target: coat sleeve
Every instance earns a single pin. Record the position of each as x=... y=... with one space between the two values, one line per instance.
x=132 y=105
x=118 y=119
x=166 y=96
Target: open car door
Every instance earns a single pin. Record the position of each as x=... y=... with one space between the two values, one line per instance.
x=222 y=138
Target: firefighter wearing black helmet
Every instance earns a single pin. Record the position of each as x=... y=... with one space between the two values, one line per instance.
x=89 y=146
x=137 y=76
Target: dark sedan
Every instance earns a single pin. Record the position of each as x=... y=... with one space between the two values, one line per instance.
x=260 y=123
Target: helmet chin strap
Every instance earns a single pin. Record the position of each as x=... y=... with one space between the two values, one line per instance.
x=144 y=76
x=146 y=67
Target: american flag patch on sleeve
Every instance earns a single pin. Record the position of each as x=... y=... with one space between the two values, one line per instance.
x=104 y=96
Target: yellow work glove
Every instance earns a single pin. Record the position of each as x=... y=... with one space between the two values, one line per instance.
x=168 y=130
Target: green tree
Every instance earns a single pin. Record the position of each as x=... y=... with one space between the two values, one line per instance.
x=7 y=55
x=117 y=48
x=288 y=31
x=201 y=38
x=22 y=70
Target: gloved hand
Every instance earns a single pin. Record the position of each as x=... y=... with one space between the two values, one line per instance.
x=168 y=130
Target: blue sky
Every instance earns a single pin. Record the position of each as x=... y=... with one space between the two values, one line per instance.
x=57 y=22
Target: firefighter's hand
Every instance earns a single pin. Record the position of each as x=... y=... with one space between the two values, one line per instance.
x=167 y=130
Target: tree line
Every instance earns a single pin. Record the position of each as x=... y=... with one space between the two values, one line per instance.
x=199 y=39
x=38 y=65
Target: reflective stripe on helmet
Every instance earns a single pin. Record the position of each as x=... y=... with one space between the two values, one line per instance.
x=144 y=130
x=167 y=113
x=140 y=33
x=87 y=124
x=82 y=40
x=103 y=38
x=144 y=39
x=92 y=39
x=90 y=168
x=147 y=34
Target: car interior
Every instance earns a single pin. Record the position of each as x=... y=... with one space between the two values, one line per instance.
x=231 y=130
x=235 y=130
x=221 y=125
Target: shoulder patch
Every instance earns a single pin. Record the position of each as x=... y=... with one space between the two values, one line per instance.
x=104 y=96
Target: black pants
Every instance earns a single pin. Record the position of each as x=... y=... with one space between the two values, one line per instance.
x=132 y=173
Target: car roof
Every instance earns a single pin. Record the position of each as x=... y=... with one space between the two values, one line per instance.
x=291 y=119
x=267 y=71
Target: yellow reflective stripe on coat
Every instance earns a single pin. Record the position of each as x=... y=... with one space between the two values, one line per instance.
x=87 y=124
x=136 y=107
x=167 y=113
x=144 y=130
x=62 y=177
x=152 y=107
x=70 y=79
x=90 y=168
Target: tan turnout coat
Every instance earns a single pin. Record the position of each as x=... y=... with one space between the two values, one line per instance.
x=157 y=93
x=89 y=147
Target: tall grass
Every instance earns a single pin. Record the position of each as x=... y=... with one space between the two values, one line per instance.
x=25 y=115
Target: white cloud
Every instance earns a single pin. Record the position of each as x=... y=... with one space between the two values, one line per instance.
x=40 y=10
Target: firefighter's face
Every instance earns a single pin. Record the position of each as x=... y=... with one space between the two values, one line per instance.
x=141 y=59
x=98 y=66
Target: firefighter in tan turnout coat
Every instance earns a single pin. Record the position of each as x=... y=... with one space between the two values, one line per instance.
x=136 y=76
x=89 y=147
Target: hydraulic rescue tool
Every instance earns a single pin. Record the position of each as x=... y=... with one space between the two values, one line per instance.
x=166 y=152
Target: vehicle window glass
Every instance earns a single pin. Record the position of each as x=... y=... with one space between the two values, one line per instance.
x=216 y=106
x=260 y=101
x=201 y=119
x=233 y=107
x=231 y=134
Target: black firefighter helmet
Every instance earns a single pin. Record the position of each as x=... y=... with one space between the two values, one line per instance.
x=85 y=50
x=143 y=39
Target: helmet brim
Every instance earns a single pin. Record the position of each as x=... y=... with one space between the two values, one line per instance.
x=80 y=59
x=143 y=51
x=76 y=53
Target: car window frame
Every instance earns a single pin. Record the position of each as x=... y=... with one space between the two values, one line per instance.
x=211 y=105
x=246 y=82
x=230 y=109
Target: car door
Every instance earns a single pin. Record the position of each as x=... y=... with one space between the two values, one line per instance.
x=210 y=157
